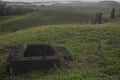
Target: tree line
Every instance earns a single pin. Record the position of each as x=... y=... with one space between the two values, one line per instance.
x=2 y=8
x=8 y=10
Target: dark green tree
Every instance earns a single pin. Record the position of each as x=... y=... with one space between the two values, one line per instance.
x=98 y=18
x=2 y=8
x=113 y=13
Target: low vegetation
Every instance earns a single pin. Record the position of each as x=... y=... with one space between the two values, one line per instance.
x=51 y=15
x=95 y=49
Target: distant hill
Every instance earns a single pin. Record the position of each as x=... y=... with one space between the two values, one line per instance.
x=108 y=3
x=67 y=3
x=96 y=4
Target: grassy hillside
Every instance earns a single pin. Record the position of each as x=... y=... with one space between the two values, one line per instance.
x=95 y=48
x=45 y=17
x=48 y=16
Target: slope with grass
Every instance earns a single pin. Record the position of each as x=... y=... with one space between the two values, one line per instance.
x=48 y=16
x=45 y=17
x=95 y=49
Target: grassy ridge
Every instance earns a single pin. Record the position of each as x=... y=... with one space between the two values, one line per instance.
x=95 y=49
x=45 y=17
x=54 y=15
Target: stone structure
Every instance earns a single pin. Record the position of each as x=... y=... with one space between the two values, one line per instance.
x=41 y=57
x=98 y=18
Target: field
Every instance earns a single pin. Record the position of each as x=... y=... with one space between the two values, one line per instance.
x=59 y=15
x=95 y=47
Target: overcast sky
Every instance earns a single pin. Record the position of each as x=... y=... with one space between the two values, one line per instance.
x=58 y=0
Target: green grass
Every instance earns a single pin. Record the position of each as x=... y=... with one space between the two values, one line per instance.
x=54 y=15
x=50 y=15
x=45 y=17
x=95 y=49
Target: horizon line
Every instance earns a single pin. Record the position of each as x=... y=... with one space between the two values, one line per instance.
x=58 y=1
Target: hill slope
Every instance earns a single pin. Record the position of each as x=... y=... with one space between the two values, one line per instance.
x=95 y=49
x=45 y=17
x=56 y=15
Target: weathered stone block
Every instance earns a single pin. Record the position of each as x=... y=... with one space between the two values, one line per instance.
x=35 y=57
